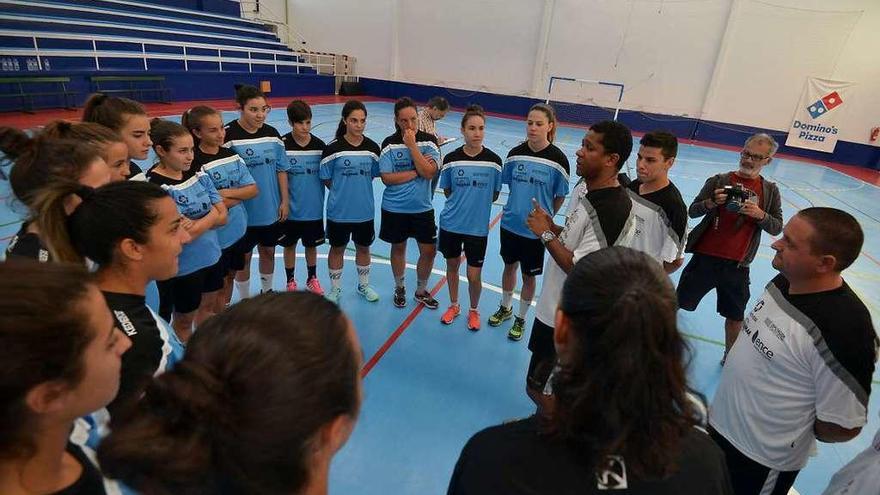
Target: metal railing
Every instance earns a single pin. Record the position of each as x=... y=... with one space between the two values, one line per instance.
x=322 y=63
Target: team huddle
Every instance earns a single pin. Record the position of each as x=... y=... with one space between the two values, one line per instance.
x=793 y=371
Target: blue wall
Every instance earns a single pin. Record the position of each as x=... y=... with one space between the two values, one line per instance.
x=686 y=128
x=197 y=86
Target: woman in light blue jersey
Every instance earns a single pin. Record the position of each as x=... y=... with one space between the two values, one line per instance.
x=535 y=170
x=202 y=208
x=348 y=166
x=259 y=145
x=471 y=181
x=235 y=184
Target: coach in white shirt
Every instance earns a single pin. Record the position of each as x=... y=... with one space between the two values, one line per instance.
x=801 y=368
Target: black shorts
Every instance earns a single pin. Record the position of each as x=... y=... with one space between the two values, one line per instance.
x=748 y=476
x=215 y=275
x=181 y=294
x=704 y=273
x=543 y=355
x=232 y=257
x=310 y=231
x=264 y=235
x=529 y=253
x=362 y=233
x=398 y=227
x=450 y=245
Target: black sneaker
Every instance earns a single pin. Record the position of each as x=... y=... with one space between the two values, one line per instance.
x=400 y=297
x=426 y=299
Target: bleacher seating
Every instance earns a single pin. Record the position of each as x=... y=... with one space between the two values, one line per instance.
x=122 y=35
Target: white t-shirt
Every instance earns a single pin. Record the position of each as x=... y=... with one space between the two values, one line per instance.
x=787 y=369
x=654 y=232
x=584 y=233
x=861 y=475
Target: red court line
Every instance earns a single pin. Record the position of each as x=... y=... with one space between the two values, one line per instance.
x=374 y=359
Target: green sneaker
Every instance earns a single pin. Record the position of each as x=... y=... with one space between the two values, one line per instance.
x=503 y=314
x=516 y=331
x=368 y=293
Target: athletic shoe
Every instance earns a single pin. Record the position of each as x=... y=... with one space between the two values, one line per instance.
x=400 y=297
x=291 y=285
x=516 y=331
x=503 y=314
x=368 y=293
x=426 y=299
x=333 y=295
x=473 y=320
x=313 y=285
x=450 y=314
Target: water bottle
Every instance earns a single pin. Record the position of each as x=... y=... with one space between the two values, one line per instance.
x=31 y=64
x=45 y=64
x=15 y=64
x=4 y=64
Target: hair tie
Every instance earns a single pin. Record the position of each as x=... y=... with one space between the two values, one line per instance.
x=85 y=192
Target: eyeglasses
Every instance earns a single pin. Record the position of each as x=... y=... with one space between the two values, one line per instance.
x=753 y=157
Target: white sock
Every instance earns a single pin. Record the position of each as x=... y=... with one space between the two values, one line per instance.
x=422 y=286
x=453 y=303
x=363 y=275
x=335 y=278
x=266 y=282
x=244 y=288
x=524 y=307
x=507 y=299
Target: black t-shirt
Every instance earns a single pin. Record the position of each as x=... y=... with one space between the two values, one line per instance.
x=26 y=244
x=514 y=459
x=844 y=324
x=133 y=169
x=342 y=144
x=612 y=205
x=235 y=132
x=314 y=144
x=397 y=138
x=551 y=152
x=90 y=481
x=670 y=201
x=143 y=359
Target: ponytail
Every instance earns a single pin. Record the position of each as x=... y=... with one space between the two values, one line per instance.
x=192 y=118
x=350 y=106
x=110 y=111
x=42 y=160
x=104 y=217
x=93 y=133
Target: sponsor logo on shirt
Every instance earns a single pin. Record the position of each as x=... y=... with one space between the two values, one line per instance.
x=125 y=323
x=612 y=475
x=757 y=342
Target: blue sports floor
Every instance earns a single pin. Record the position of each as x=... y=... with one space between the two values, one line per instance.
x=429 y=387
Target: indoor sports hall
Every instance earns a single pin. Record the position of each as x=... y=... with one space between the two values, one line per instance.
x=711 y=72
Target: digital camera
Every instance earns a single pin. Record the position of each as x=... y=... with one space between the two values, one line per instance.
x=737 y=196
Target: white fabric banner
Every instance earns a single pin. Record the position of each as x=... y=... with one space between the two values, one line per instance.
x=818 y=116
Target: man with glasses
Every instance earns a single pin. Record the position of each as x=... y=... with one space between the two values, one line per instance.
x=735 y=206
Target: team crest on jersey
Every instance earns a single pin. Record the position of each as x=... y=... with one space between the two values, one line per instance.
x=613 y=475
x=249 y=152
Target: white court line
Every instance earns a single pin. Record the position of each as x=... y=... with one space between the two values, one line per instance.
x=435 y=271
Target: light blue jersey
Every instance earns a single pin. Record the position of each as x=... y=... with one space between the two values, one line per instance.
x=542 y=175
x=413 y=196
x=304 y=186
x=228 y=171
x=350 y=170
x=473 y=183
x=263 y=153
x=195 y=197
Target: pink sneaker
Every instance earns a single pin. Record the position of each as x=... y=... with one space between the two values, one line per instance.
x=314 y=286
x=291 y=285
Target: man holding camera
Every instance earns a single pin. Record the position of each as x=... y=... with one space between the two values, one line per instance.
x=735 y=206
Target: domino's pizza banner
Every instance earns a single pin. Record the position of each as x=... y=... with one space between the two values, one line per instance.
x=819 y=115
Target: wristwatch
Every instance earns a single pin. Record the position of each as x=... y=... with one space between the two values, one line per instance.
x=547 y=236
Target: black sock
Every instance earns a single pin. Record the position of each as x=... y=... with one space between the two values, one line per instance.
x=289 y=272
x=313 y=271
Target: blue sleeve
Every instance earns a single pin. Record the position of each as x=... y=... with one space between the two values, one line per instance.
x=444 y=178
x=386 y=165
x=209 y=186
x=375 y=169
x=325 y=170
x=282 y=164
x=433 y=151
x=561 y=186
x=498 y=181
x=245 y=178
